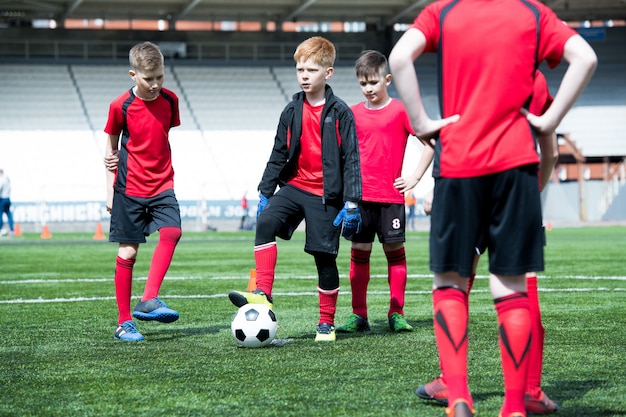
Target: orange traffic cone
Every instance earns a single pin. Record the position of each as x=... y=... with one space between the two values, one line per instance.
x=252 y=280
x=18 y=230
x=99 y=235
x=45 y=233
x=549 y=225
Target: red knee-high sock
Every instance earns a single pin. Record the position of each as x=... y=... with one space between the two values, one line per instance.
x=265 y=259
x=514 y=332
x=450 y=323
x=359 y=280
x=328 y=305
x=161 y=260
x=123 y=287
x=535 y=365
x=470 y=284
x=396 y=276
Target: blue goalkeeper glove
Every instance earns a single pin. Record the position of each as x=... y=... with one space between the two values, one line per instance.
x=351 y=218
x=261 y=206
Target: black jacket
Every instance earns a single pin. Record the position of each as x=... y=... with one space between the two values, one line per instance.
x=340 y=150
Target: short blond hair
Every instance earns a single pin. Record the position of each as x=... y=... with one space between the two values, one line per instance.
x=145 y=56
x=320 y=50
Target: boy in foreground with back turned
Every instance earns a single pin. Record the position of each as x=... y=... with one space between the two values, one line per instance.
x=486 y=163
x=140 y=186
x=315 y=162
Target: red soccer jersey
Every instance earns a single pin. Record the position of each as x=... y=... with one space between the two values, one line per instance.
x=488 y=52
x=383 y=135
x=541 y=95
x=145 y=164
x=309 y=175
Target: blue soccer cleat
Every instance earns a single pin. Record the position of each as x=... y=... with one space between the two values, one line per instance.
x=156 y=310
x=128 y=332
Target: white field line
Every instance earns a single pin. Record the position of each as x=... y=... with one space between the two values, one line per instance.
x=280 y=294
x=303 y=277
x=288 y=294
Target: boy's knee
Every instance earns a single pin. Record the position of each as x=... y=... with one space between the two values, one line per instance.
x=266 y=229
x=327 y=270
x=126 y=251
x=171 y=234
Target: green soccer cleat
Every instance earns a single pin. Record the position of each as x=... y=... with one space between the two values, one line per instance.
x=325 y=333
x=398 y=323
x=354 y=324
x=241 y=298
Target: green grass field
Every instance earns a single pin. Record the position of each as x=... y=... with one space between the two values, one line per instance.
x=58 y=315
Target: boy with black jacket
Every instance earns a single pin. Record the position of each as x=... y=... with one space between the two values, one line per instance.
x=315 y=162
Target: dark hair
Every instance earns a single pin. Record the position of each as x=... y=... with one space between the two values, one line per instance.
x=370 y=64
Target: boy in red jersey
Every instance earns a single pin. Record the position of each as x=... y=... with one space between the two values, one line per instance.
x=140 y=186
x=315 y=162
x=536 y=401
x=486 y=163
x=383 y=128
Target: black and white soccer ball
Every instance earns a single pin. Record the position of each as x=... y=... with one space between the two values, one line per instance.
x=254 y=326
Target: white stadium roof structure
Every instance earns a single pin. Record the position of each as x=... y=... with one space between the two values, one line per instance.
x=377 y=13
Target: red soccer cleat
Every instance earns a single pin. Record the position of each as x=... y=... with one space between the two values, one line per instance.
x=436 y=390
x=460 y=408
x=540 y=405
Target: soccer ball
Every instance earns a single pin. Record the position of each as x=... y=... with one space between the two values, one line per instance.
x=254 y=325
